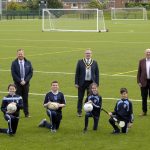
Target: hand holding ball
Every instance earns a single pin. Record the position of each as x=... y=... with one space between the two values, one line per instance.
x=88 y=107
x=11 y=108
x=53 y=105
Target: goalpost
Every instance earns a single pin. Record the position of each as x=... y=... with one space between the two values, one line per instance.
x=75 y=20
x=128 y=14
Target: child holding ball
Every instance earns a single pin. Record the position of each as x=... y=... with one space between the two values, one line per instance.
x=10 y=115
x=96 y=100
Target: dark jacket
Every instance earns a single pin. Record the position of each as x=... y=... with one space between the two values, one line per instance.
x=124 y=110
x=81 y=70
x=97 y=103
x=15 y=71
x=142 y=75
x=9 y=99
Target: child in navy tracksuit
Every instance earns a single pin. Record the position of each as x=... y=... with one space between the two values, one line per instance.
x=11 y=117
x=123 y=112
x=96 y=101
x=55 y=115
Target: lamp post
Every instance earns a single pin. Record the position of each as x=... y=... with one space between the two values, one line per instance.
x=42 y=5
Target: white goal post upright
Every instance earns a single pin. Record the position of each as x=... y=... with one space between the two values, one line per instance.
x=74 y=20
x=135 y=13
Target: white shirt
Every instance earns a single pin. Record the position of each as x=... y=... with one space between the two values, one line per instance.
x=148 y=68
x=88 y=71
x=22 y=61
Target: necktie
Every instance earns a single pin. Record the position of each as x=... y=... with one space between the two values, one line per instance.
x=21 y=70
x=88 y=62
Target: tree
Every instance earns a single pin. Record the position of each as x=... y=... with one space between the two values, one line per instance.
x=54 y=4
x=94 y=4
x=98 y=4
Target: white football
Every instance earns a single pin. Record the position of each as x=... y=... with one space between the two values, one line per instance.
x=53 y=106
x=88 y=107
x=11 y=108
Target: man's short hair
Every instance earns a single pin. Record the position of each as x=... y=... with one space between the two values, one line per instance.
x=20 y=50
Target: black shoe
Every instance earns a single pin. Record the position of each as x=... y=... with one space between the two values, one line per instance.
x=116 y=131
x=143 y=114
x=42 y=123
x=79 y=114
x=27 y=116
x=84 y=130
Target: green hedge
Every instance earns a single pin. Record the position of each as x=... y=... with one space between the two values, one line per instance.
x=134 y=4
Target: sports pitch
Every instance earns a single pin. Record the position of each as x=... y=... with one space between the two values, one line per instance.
x=54 y=56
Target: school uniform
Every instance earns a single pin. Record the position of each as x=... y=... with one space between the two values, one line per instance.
x=95 y=113
x=13 y=118
x=54 y=115
x=123 y=112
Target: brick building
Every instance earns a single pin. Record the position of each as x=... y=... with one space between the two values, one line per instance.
x=83 y=3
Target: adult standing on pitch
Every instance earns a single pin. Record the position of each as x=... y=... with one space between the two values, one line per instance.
x=143 y=80
x=22 y=72
x=87 y=72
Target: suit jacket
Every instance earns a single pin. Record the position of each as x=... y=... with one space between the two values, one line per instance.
x=15 y=71
x=81 y=71
x=141 y=74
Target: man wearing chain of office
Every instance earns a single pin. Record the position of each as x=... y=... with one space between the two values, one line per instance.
x=87 y=72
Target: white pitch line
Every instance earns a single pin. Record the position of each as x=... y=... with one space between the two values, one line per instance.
x=39 y=40
x=124 y=72
x=46 y=72
x=42 y=54
x=70 y=73
x=71 y=96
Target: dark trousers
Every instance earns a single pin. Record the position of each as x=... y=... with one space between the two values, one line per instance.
x=113 y=123
x=95 y=118
x=23 y=91
x=12 y=124
x=145 y=92
x=81 y=92
x=55 y=119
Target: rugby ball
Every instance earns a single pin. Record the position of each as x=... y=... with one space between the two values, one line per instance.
x=88 y=107
x=53 y=106
x=11 y=108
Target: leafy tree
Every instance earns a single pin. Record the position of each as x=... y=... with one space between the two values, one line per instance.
x=98 y=4
x=54 y=4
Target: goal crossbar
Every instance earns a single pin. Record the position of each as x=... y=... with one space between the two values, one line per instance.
x=136 y=13
x=73 y=20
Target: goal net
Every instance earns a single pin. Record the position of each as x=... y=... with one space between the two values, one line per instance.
x=3 y=6
x=77 y=20
x=0 y=9
x=128 y=14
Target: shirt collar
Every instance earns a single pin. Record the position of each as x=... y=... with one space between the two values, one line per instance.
x=55 y=93
x=89 y=60
x=147 y=59
x=21 y=61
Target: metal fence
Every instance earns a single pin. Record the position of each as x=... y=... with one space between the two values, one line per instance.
x=13 y=14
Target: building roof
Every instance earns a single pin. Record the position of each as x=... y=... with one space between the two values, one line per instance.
x=76 y=1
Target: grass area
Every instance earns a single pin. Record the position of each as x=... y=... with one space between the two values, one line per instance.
x=53 y=54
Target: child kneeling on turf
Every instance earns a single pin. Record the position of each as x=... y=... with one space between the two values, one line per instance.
x=55 y=115
x=123 y=111
x=96 y=100
x=12 y=117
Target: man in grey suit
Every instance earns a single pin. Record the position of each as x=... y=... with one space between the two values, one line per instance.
x=143 y=80
x=22 y=71
x=87 y=72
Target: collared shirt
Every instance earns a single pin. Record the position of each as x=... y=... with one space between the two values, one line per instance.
x=148 y=68
x=22 y=61
x=88 y=71
x=88 y=61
